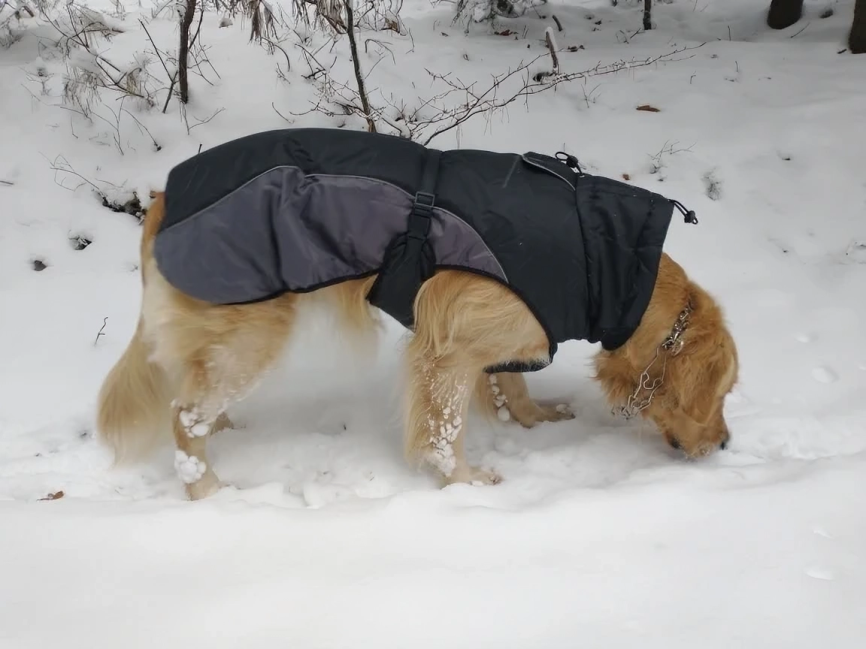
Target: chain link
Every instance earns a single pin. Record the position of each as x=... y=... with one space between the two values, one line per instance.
x=673 y=345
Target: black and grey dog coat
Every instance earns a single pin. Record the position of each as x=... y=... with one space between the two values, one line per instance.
x=296 y=210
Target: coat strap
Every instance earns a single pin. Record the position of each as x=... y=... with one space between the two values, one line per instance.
x=409 y=260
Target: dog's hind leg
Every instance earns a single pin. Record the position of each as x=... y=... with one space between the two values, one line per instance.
x=191 y=430
x=506 y=396
x=214 y=356
x=190 y=461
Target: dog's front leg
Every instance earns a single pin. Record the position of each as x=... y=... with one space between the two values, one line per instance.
x=439 y=394
x=506 y=396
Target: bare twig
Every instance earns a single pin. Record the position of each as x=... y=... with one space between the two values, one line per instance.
x=155 y=49
x=668 y=149
x=280 y=114
x=280 y=48
x=156 y=144
x=203 y=121
x=170 y=91
x=99 y=334
x=61 y=165
x=307 y=57
x=382 y=45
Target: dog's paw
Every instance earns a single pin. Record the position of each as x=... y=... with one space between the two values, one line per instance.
x=481 y=477
x=473 y=475
x=529 y=417
x=204 y=488
x=559 y=412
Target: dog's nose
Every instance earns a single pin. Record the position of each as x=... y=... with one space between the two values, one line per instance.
x=674 y=442
x=725 y=441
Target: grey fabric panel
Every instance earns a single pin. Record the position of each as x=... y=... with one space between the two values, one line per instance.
x=284 y=231
x=227 y=252
x=333 y=227
x=457 y=244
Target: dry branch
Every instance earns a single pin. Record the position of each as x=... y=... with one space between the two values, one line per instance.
x=489 y=100
x=456 y=102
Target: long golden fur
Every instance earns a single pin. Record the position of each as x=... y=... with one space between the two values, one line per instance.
x=189 y=360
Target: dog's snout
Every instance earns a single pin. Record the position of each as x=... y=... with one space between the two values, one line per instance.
x=674 y=442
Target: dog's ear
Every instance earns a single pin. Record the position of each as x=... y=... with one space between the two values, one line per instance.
x=704 y=381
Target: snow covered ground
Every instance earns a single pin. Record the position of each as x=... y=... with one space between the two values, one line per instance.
x=600 y=535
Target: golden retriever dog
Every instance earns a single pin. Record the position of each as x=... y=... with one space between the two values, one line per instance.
x=190 y=360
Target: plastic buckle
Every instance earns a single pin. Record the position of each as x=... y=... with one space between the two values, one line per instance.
x=422 y=208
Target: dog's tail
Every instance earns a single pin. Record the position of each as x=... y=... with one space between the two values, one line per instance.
x=133 y=411
x=134 y=401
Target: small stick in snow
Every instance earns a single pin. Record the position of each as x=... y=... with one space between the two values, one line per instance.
x=156 y=144
x=558 y=24
x=551 y=46
x=99 y=333
x=801 y=31
x=280 y=114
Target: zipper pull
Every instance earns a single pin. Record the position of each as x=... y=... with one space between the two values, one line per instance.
x=690 y=216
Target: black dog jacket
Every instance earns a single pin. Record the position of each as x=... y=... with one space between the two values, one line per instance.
x=295 y=210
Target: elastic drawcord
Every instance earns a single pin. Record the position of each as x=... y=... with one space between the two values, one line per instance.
x=689 y=215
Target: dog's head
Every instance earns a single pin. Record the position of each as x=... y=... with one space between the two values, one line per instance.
x=688 y=388
x=689 y=407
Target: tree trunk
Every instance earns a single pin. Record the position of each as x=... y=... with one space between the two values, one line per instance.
x=183 y=51
x=647 y=14
x=857 y=35
x=359 y=78
x=784 y=13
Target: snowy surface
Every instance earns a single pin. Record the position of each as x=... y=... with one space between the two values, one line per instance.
x=599 y=535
